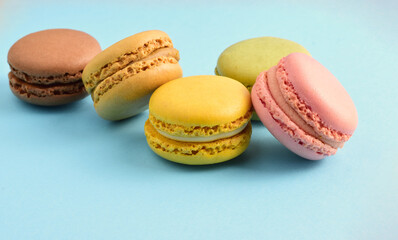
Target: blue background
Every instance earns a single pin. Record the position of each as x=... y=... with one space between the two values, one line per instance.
x=65 y=173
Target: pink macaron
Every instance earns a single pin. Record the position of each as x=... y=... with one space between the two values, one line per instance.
x=304 y=106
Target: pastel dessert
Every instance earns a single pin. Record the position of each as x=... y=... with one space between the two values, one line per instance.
x=304 y=106
x=199 y=120
x=245 y=60
x=46 y=66
x=122 y=78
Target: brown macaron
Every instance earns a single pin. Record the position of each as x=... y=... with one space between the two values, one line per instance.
x=46 y=66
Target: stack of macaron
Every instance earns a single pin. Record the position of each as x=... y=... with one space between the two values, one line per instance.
x=192 y=120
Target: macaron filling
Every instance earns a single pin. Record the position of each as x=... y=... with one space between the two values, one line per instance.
x=47 y=80
x=127 y=59
x=192 y=131
x=131 y=70
x=159 y=56
x=203 y=138
x=205 y=152
x=28 y=89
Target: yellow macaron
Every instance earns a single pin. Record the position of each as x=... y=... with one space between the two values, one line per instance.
x=122 y=78
x=199 y=120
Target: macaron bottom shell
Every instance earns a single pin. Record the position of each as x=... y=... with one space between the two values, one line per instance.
x=197 y=153
x=131 y=96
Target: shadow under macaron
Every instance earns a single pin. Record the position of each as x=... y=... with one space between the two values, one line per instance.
x=192 y=168
x=271 y=157
x=59 y=109
x=265 y=155
x=142 y=116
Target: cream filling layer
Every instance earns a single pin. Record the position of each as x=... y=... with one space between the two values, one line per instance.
x=204 y=139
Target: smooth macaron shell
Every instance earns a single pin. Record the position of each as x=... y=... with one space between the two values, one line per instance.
x=200 y=101
x=244 y=60
x=208 y=108
x=46 y=66
x=301 y=122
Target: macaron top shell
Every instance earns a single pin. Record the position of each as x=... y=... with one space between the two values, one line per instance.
x=200 y=101
x=245 y=60
x=320 y=91
x=53 y=52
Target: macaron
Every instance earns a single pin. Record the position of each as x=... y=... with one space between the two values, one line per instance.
x=304 y=106
x=199 y=120
x=245 y=60
x=46 y=66
x=122 y=78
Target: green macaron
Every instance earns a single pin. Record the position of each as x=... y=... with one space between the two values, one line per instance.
x=245 y=60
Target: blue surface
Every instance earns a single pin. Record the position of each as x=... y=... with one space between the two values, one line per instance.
x=67 y=174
